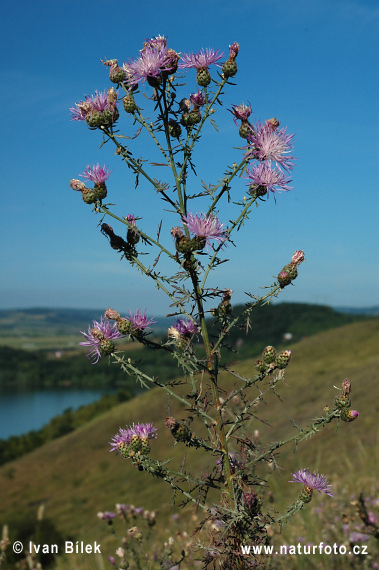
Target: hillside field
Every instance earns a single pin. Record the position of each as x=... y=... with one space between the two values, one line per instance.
x=76 y=476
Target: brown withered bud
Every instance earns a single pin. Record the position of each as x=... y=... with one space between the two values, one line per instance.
x=111 y=314
x=346 y=387
x=273 y=123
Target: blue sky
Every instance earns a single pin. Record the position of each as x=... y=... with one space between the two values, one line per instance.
x=311 y=64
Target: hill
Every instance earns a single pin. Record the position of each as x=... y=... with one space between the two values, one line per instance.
x=57 y=329
x=75 y=476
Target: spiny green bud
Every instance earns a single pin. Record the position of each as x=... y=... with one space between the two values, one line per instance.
x=185 y=120
x=184 y=245
x=342 y=401
x=306 y=494
x=117 y=75
x=282 y=359
x=260 y=366
x=110 y=116
x=95 y=119
x=269 y=354
x=107 y=346
x=89 y=195
x=145 y=446
x=124 y=326
x=198 y=243
x=135 y=443
x=129 y=104
x=245 y=129
x=174 y=129
x=194 y=117
x=100 y=191
x=203 y=77
x=257 y=190
x=229 y=68
x=287 y=274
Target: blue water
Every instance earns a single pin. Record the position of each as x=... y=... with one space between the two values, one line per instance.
x=20 y=413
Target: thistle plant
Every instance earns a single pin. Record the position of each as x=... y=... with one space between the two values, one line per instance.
x=193 y=240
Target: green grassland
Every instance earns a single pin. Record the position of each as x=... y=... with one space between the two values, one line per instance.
x=76 y=476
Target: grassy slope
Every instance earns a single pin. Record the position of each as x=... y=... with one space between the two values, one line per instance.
x=76 y=476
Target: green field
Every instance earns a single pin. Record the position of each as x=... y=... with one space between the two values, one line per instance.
x=76 y=476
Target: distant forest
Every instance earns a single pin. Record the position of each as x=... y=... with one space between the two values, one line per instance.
x=278 y=325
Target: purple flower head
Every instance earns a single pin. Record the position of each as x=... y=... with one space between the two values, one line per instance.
x=101 y=101
x=208 y=227
x=131 y=219
x=100 y=330
x=204 y=58
x=121 y=439
x=268 y=143
x=143 y=431
x=97 y=174
x=358 y=537
x=185 y=327
x=271 y=178
x=197 y=99
x=312 y=480
x=139 y=320
x=149 y=65
x=241 y=112
x=106 y=516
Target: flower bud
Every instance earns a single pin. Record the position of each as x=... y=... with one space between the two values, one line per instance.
x=100 y=191
x=229 y=68
x=129 y=104
x=342 y=401
x=305 y=494
x=174 y=129
x=107 y=346
x=245 y=129
x=179 y=430
x=282 y=359
x=89 y=195
x=203 y=77
x=349 y=415
x=298 y=257
x=111 y=314
x=287 y=274
x=124 y=326
x=260 y=366
x=269 y=354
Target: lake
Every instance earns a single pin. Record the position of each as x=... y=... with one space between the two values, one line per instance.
x=22 y=412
